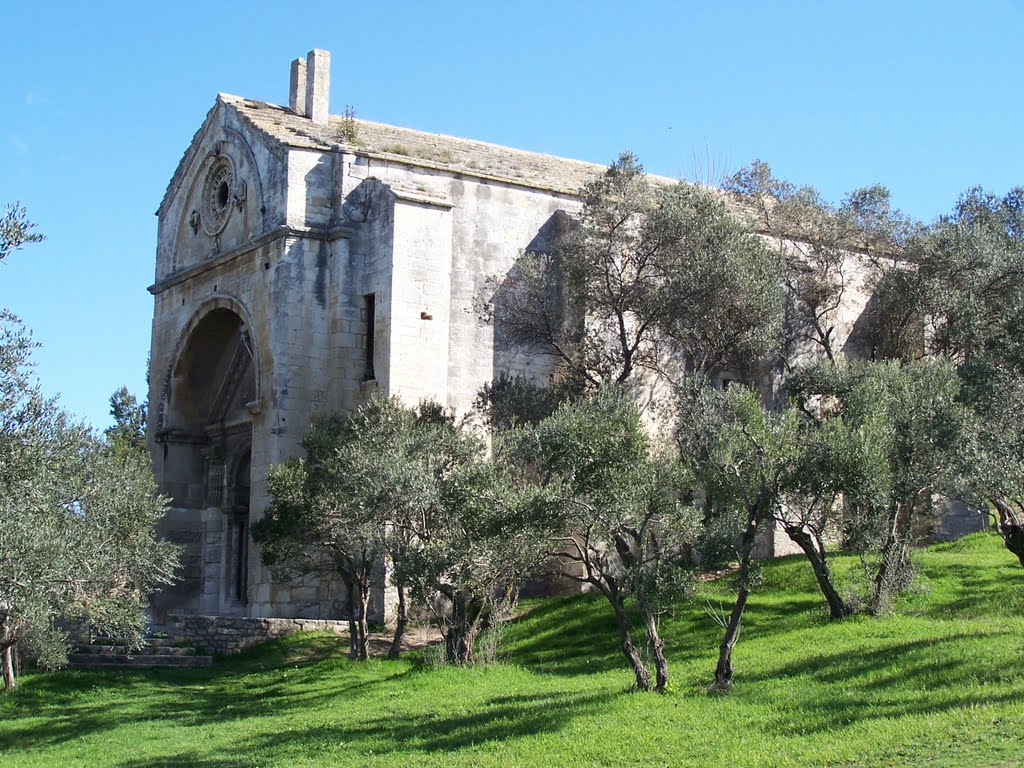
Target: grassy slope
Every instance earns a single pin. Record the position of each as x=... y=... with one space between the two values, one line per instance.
x=939 y=683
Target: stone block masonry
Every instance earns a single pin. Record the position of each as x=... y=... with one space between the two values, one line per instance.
x=224 y=635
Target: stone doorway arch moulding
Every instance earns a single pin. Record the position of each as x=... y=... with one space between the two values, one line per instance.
x=216 y=302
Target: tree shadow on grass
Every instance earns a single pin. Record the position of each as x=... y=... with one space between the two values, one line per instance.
x=577 y=635
x=887 y=682
x=192 y=759
x=193 y=697
x=565 y=636
x=974 y=591
x=497 y=719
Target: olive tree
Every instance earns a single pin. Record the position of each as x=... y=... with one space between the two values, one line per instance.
x=479 y=539
x=744 y=458
x=923 y=440
x=972 y=287
x=650 y=277
x=77 y=522
x=415 y=493
x=821 y=247
x=330 y=510
x=623 y=524
x=960 y=291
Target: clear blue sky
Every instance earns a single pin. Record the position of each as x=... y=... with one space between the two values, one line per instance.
x=98 y=101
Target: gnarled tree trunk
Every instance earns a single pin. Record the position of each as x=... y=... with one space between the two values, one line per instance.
x=814 y=549
x=460 y=637
x=640 y=671
x=1010 y=529
x=657 y=648
x=400 y=623
x=357 y=640
x=724 y=670
x=895 y=558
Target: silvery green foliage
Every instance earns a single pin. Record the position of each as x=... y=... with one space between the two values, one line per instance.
x=620 y=519
x=411 y=488
x=77 y=521
x=16 y=230
x=821 y=246
x=918 y=440
x=745 y=459
x=651 y=277
x=971 y=283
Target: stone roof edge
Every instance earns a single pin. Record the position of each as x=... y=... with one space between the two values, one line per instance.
x=732 y=201
x=187 y=157
x=238 y=103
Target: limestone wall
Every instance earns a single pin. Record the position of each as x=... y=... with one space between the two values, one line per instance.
x=225 y=635
x=458 y=236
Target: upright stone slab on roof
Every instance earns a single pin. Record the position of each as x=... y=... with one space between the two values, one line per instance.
x=297 y=87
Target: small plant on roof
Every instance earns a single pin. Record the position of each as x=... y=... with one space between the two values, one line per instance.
x=349 y=128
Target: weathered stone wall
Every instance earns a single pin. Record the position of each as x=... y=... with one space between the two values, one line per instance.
x=277 y=281
x=956 y=519
x=229 y=634
x=454 y=239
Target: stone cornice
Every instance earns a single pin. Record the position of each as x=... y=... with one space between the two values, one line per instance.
x=309 y=233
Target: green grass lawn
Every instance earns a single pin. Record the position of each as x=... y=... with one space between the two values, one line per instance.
x=941 y=682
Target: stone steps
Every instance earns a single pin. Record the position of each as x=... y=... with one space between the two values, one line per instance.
x=157 y=652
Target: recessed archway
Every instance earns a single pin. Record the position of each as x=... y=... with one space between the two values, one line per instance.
x=205 y=436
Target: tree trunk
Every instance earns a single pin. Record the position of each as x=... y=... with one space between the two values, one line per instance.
x=1013 y=538
x=460 y=638
x=657 y=648
x=10 y=678
x=894 y=559
x=357 y=649
x=643 y=675
x=1011 y=531
x=815 y=551
x=724 y=671
x=400 y=622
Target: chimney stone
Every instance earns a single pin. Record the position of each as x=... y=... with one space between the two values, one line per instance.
x=318 y=85
x=297 y=88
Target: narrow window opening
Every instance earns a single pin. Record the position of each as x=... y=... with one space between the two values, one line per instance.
x=369 y=305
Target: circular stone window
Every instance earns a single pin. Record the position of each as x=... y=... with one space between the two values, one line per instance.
x=216 y=203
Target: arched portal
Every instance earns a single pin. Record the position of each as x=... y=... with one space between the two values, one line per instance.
x=205 y=438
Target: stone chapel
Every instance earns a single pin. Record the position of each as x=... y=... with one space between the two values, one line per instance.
x=305 y=260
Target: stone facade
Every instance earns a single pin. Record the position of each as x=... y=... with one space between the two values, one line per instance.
x=303 y=262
